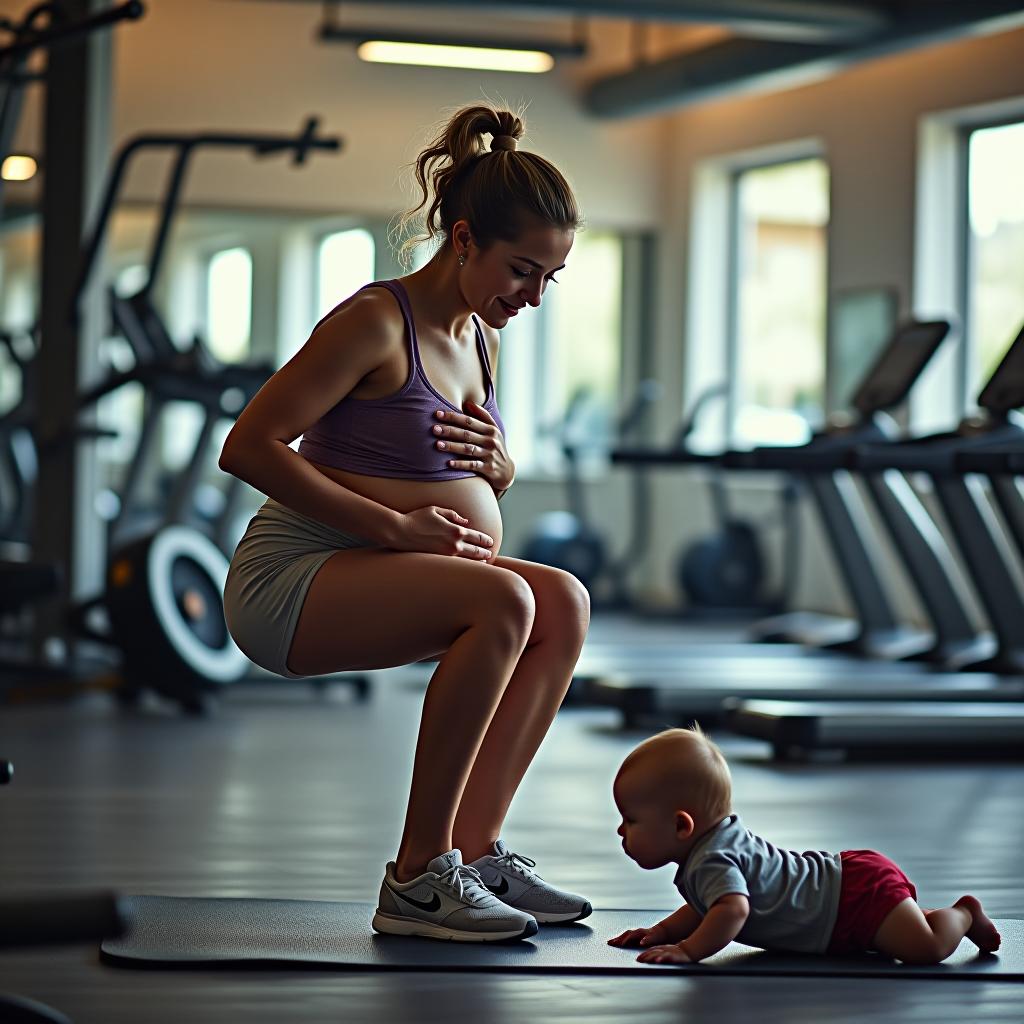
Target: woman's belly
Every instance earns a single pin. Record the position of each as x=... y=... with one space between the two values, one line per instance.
x=472 y=497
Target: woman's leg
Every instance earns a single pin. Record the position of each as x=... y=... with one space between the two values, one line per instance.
x=528 y=704
x=368 y=608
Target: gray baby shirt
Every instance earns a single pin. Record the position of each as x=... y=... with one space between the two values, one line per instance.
x=794 y=897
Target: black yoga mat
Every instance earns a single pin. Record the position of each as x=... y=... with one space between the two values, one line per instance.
x=174 y=931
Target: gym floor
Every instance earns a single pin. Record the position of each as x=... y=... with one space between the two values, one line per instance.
x=286 y=792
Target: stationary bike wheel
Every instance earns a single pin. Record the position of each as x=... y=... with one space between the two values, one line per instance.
x=165 y=602
x=561 y=540
x=724 y=570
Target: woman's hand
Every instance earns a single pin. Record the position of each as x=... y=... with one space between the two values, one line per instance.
x=439 y=531
x=475 y=443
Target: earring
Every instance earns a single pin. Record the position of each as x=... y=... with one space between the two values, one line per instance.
x=462 y=259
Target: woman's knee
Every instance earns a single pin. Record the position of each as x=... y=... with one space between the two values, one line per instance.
x=509 y=603
x=564 y=603
x=577 y=598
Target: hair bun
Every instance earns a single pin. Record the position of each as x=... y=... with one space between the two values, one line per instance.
x=456 y=182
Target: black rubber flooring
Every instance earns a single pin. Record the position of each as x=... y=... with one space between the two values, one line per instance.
x=287 y=794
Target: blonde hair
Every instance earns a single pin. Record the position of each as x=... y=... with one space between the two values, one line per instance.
x=492 y=188
x=684 y=764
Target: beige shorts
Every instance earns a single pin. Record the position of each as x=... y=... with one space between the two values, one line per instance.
x=270 y=573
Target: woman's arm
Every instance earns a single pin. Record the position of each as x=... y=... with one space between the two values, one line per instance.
x=342 y=350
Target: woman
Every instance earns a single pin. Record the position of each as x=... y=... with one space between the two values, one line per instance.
x=378 y=545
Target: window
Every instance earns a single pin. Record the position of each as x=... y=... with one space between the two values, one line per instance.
x=777 y=336
x=229 y=304
x=572 y=344
x=995 y=248
x=586 y=323
x=517 y=384
x=346 y=262
x=228 y=329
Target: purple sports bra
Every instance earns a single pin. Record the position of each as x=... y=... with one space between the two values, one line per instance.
x=393 y=436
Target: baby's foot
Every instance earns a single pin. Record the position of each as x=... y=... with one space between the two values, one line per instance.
x=982 y=931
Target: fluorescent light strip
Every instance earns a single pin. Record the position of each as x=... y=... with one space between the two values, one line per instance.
x=380 y=51
x=18 y=168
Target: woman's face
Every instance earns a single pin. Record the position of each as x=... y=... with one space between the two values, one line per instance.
x=498 y=281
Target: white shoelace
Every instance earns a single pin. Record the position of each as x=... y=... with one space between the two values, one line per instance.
x=518 y=863
x=465 y=881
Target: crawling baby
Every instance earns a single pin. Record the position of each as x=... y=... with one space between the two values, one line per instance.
x=674 y=793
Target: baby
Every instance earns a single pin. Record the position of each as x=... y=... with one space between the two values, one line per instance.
x=674 y=793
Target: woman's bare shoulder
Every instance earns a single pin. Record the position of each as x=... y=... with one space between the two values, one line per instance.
x=355 y=339
x=369 y=315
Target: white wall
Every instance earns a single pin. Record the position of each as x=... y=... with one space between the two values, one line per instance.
x=190 y=65
x=208 y=64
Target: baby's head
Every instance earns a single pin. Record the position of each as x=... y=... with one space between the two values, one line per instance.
x=670 y=790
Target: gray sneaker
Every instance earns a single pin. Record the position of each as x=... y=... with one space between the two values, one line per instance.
x=448 y=901
x=512 y=879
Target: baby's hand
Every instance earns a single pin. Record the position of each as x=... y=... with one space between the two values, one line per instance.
x=638 y=937
x=665 y=955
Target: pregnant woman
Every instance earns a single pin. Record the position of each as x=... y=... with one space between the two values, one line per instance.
x=378 y=544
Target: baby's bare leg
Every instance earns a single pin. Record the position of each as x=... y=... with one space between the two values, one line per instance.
x=983 y=932
x=915 y=937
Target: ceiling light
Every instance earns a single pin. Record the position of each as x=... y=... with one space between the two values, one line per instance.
x=383 y=51
x=432 y=49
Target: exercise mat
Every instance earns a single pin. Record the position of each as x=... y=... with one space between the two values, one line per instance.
x=174 y=931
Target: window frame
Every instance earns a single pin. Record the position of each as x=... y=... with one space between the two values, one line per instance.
x=799 y=152
x=710 y=310
x=940 y=271
x=964 y=248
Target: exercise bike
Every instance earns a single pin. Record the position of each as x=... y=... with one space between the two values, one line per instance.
x=566 y=539
x=723 y=574
x=162 y=604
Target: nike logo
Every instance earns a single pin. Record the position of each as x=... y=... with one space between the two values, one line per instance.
x=499 y=890
x=434 y=903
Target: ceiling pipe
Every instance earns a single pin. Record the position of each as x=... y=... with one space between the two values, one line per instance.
x=781 y=19
x=737 y=66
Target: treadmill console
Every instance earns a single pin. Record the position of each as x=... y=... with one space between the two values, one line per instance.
x=1005 y=388
x=898 y=366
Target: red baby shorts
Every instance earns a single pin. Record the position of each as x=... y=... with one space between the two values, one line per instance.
x=872 y=885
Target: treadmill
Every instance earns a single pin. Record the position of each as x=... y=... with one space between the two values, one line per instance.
x=667 y=682
x=876 y=633
x=920 y=546
x=1004 y=468
x=993 y=446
